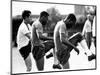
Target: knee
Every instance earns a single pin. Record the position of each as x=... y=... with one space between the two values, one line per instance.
x=78 y=34
x=80 y=37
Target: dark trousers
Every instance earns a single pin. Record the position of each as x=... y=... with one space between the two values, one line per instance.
x=94 y=41
x=25 y=51
x=88 y=36
x=63 y=53
x=39 y=52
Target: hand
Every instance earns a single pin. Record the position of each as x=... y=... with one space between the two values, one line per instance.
x=92 y=39
x=77 y=50
x=45 y=34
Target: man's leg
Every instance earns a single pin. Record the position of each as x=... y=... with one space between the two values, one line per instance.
x=63 y=54
x=50 y=45
x=49 y=55
x=28 y=63
x=56 y=64
x=90 y=55
x=94 y=38
x=74 y=39
x=88 y=39
x=40 y=64
x=79 y=38
x=38 y=54
x=85 y=47
x=25 y=53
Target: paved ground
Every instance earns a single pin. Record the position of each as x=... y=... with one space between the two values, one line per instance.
x=76 y=61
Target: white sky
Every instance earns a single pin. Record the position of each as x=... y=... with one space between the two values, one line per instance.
x=36 y=8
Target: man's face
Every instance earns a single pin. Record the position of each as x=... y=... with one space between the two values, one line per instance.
x=29 y=19
x=44 y=20
x=91 y=18
x=70 y=24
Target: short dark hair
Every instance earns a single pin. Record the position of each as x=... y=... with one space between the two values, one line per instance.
x=44 y=13
x=71 y=17
x=26 y=13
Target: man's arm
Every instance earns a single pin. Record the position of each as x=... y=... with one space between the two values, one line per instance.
x=28 y=35
x=68 y=43
x=42 y=37
x=84 y=28
x=39 y=31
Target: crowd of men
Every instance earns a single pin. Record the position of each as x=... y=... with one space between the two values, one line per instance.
x=32 y=39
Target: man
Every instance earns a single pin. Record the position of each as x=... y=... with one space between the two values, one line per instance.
x=39 y=44
x=64 y=45
x=61 y=39
x=24 y=37
x=87 y=30
x=94 y=30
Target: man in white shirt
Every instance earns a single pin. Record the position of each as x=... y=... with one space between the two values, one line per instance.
x=24 y=37
x=94 y=30
x=87 y=30
x=40 y=43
